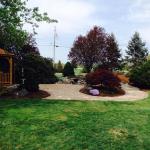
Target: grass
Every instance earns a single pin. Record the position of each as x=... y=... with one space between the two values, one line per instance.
x=59 y=76
x=78 y=71
x=74 y=125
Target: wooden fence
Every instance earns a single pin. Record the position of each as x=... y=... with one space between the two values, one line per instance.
x=5 y=78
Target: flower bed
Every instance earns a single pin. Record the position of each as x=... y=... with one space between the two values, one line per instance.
x=102 y=83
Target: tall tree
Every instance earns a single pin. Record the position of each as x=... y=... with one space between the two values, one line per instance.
x=112 y=60
x=136 y=52
x=97 y=47
x=87 y=49
x=13 y=15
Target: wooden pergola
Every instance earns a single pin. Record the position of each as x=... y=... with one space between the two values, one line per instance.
x=6 y=67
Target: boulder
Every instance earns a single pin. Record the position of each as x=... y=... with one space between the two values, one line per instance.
x=94 y=92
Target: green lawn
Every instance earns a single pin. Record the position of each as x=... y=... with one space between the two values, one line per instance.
x=74 y=125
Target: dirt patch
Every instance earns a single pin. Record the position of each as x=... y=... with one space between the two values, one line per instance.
x=39 y=95
x=103 y=93
x=118 y=134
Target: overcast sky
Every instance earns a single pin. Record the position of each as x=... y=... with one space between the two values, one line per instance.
x=122 y=17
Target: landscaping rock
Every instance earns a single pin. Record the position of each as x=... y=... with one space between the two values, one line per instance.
x=94 y=92
x=8 y=89
x=21 y=93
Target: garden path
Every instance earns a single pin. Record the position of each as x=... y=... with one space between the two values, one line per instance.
x=71 y=92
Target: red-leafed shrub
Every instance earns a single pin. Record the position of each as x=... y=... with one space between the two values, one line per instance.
x=103 y=78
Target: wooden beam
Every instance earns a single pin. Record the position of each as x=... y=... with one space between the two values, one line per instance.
x=11 y=70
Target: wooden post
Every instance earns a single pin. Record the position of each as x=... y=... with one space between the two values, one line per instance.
x=11 y=70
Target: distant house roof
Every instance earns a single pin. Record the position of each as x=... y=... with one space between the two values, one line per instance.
x=5 y=53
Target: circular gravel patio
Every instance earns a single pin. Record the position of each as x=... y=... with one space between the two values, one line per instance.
x=71 y=92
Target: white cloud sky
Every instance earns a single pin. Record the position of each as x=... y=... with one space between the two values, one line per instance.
x=78 y=16
x=72 y=15
x=140 y=11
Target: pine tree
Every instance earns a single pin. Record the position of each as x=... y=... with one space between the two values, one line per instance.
x=137 y=52
x=59 y=67
x=68 y=70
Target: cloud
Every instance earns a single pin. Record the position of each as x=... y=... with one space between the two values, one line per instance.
x=145 y=31
x=78 y=16
x=72 y=15
x=139 y=11
x=139 y=18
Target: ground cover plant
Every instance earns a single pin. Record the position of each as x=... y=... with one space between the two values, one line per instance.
x=78 y=125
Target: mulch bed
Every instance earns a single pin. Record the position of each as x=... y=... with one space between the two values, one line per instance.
x=104 y=93
x=39 y=95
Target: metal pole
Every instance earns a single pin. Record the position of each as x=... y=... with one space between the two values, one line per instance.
x=54 y=44
x=22 y=73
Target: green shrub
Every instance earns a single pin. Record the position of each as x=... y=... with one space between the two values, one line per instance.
x=4 y=65
x=1 y=89
x=31 y=80
x=84 y=70
x=37 y=70
x=68 y=70
x=140 y=76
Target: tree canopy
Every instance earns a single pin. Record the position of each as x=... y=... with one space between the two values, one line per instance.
x=112 y=57
x=137 y=52
x=13 y=15
x=95 y=47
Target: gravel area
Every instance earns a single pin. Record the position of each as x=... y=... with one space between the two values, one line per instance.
x=71 y=92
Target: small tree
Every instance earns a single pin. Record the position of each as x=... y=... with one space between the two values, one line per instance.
x=59 y=67
x=137 y=52
x=68 y=69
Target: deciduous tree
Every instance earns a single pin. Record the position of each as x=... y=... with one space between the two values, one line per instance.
x=97 y=47
x=87 y=49
x=13 y=15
